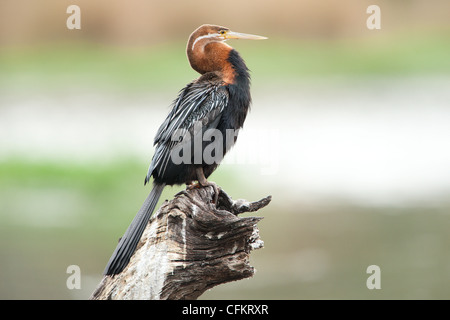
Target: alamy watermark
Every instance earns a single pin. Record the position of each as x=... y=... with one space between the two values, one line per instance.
x=372 y=22
x=74 y=280
x=262 y=152
x=208 y=146
x=374 y=280
x=74 y=20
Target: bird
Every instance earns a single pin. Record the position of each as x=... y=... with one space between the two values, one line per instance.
x=216 y=102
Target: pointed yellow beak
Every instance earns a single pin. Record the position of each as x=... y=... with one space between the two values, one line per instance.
x=237 y=35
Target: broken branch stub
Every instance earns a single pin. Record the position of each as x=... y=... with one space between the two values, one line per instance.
x=189 y=246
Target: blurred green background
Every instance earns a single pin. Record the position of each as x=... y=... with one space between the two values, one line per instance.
x=349 y=132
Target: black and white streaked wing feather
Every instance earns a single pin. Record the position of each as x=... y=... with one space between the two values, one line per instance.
x=198 y=101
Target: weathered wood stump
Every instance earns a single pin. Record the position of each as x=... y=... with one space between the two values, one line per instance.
x=189 y=246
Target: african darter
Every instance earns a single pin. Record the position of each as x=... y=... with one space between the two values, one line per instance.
x=219 y=99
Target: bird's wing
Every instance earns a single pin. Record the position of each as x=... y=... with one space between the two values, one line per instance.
x=198 y=101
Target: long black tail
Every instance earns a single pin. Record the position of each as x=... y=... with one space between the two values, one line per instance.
x=130 y=239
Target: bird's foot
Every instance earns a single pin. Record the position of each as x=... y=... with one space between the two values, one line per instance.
x=205 y=183
x=193 y=185
x=215 y=187
x=197 y=185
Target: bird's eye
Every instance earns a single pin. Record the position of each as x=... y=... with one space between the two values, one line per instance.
x=222 y=32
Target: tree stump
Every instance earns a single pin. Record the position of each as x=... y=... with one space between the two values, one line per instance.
x=189 y=245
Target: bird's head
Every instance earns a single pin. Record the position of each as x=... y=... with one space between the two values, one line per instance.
x=208 y=33
x=206 y=50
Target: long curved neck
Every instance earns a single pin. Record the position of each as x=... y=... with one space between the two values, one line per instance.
x=211 y=57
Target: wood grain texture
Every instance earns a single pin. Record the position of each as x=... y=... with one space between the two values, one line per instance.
x=189 y=246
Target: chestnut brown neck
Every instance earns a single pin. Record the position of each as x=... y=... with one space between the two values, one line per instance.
x=206 y=56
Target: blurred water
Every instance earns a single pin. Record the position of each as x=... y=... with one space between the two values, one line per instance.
x=363 y=162
x=380 y=141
